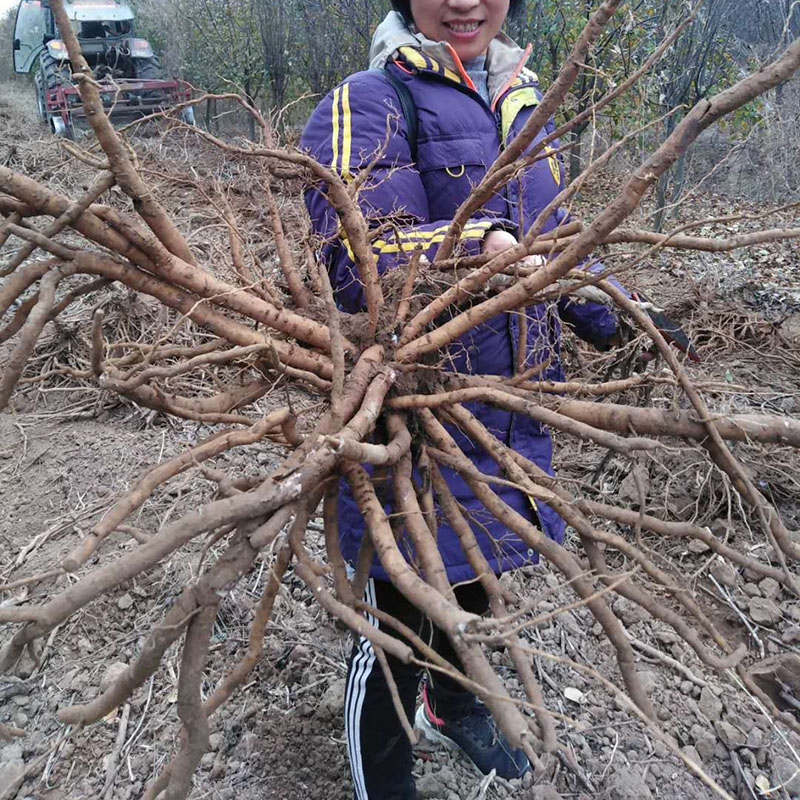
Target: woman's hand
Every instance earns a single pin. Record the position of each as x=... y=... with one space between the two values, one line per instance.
x=498 y=241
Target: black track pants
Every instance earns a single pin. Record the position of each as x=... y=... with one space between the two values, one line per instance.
x=378 y=749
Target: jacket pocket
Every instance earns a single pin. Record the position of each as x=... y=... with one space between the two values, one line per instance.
x=449 y=169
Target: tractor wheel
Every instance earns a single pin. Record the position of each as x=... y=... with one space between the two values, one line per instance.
x=51 y=74
x=41 y=106
x=147 y=69
x=54 y=73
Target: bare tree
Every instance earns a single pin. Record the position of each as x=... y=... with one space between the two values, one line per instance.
x=694 y=67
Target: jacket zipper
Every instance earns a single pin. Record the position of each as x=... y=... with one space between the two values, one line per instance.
x=498 y=123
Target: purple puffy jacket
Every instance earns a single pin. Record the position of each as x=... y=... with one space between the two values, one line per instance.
x=459 y=136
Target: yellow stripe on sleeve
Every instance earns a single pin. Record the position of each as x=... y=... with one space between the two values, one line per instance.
x=335 y=137
x=422 y=235
x=474 y=230
x=480 y=225
x=346 y=131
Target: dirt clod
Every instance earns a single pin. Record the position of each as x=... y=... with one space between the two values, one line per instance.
x=691 y=752
x=705 y=747
x=11 y=764
x=627 y=785
x=544 y=791
x=786 y=773
x=332 y=702
x=10 y=771
x=764 y=611
x=791 y=635
x=769 y=588
x=629 y=612
x=709 y=704
x=649 y=681
x=433 y=786
x=731 y=735
x=124 y=602
x=724 y=573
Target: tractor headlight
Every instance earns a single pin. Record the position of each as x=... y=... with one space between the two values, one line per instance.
x=140 y=48
x=57 y=49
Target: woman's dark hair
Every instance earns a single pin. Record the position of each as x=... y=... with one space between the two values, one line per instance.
x=403 y=7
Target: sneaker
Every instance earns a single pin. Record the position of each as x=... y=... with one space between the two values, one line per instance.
x=475 y=734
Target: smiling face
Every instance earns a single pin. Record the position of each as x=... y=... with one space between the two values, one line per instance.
x=468 y=25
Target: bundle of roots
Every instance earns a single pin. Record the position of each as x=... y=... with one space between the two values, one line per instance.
x=382 y=410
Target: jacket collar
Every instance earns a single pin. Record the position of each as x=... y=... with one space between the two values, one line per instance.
x=505 y=60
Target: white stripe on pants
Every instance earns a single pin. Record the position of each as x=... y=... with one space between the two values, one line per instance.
x=360 y=671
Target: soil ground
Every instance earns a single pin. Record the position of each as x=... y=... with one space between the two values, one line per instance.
x=66 y=452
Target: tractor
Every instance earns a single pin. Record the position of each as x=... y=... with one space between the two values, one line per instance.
x=131 y=80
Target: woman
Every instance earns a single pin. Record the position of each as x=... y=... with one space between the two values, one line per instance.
x=471 y=93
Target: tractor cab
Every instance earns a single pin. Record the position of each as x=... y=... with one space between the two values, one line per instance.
x=119 y=60
x=31 y=33
x=105 y=30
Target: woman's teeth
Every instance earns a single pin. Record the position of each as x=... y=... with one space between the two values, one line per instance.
x=463 y=27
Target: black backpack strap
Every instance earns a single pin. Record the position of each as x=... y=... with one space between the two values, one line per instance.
x=408 y=108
